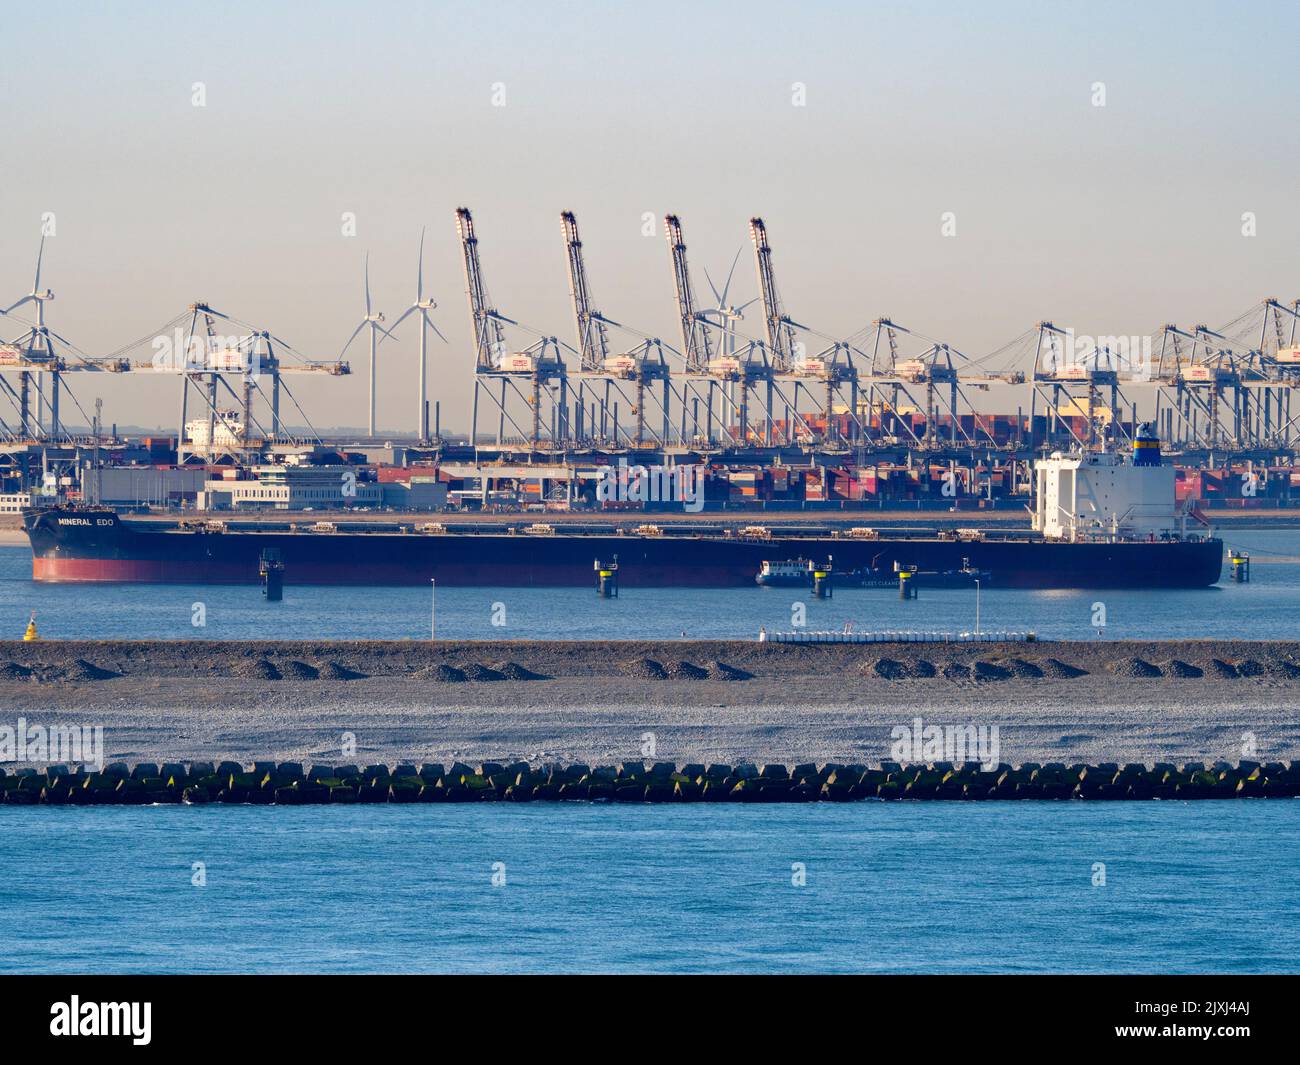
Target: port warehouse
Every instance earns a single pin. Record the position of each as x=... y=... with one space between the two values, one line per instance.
x=400 y=478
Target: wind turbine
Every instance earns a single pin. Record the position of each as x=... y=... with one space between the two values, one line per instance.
x=373 y=320
x=37 y=346
x=728 y=316
x=37 y=339
x=423 y=306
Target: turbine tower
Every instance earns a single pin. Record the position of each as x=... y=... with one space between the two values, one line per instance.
x=728 y=314
x=422 y=306
x=373 y=319
x=728 y=317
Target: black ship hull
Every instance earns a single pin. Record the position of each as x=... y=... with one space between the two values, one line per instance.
x=83 y=546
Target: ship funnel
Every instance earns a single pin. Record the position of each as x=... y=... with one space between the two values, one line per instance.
x=1146 y=446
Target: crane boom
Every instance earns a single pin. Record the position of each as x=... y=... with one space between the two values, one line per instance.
x=593 y=344
x=489 y=338
x=696 y=345
x=780 y=331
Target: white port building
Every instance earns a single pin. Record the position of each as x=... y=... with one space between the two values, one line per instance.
x=292 y=488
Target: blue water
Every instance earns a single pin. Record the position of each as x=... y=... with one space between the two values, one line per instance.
x=1190 y=887
x=900 y=887
x=1260 y=610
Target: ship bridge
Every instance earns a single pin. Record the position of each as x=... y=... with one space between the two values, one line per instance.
x=1102 y=495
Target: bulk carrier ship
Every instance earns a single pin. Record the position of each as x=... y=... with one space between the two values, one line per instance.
x=1100 y=520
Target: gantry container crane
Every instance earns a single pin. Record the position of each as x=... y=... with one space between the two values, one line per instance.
x=642 y=365
x=722 y=372
x=541 y=364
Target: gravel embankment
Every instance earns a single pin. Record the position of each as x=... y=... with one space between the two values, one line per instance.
x=689 y=701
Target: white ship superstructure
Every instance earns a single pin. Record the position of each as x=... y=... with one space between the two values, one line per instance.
x=1106 y=495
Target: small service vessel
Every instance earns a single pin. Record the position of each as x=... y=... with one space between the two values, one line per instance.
x=790 y=573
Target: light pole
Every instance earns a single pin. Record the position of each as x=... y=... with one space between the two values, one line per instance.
x=433 y=609
x=977 y=606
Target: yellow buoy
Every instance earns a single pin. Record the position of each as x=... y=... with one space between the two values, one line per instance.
x=31 y=633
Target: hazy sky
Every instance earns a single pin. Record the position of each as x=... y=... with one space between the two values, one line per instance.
x=1108 y=219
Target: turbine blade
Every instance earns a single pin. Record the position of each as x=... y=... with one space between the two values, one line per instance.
x=727 y=287
x=439 y=332
x=716 y=294
x=419 y=276
x=351 y=338
x=367 y=284
x=404 y=315
x=40 y=254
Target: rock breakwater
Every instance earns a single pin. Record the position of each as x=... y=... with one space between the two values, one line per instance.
x=292 y=784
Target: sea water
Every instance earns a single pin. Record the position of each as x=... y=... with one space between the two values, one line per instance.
x=904 y=887
x=1263 y=609
x=871 y=887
